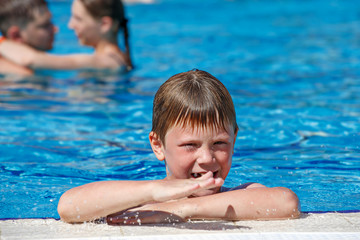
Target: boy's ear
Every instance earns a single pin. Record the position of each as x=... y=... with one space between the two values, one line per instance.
x=235 y=136
x=156 y=146
x=14 y=34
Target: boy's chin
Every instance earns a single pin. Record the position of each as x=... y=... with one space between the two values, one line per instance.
x=206 y=192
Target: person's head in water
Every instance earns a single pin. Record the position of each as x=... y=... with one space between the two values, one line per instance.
x=27 y=21
x=93 y=20
x=194 y=127
x=194 y=98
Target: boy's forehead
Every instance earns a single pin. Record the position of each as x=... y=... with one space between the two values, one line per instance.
x=189 y=128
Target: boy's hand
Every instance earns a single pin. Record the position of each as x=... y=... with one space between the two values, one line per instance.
x=166 y=190
x=165 y=194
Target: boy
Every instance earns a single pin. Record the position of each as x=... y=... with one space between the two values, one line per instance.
x=25 y=21
x=194 y=132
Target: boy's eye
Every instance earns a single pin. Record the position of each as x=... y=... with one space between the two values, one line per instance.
x=189 y=145
x=219 y=143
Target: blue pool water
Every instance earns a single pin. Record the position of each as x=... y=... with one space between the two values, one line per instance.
x=292 y=68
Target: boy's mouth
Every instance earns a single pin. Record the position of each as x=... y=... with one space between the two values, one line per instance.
x=197 y=175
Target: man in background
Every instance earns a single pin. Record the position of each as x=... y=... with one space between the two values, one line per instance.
x=28 y=22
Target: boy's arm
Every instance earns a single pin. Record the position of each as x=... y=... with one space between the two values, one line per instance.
x=99 y=199
x=259 y=203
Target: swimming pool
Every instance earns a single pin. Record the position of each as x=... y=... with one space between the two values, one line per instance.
x=292 y=68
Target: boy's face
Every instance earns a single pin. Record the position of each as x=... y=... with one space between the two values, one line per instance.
x=39 y=33
x=190 y=153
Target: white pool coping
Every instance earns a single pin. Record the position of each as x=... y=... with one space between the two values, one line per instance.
x=308 y=226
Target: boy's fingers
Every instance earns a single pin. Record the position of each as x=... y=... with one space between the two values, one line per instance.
x=194 y=187
x=219 y=181
x=185 y=187
x=211 y=183
x=207 y=175
x=208 y=183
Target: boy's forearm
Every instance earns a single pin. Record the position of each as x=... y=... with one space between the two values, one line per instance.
x=99 y=199
x=245 y=204
x=96 y=200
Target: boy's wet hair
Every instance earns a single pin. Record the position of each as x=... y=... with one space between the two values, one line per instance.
x=194 y=98
x=19 y=13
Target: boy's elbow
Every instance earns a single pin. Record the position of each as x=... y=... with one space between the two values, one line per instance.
x=65 y=209
x=291 y=203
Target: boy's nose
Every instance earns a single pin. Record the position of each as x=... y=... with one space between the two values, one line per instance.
x=205 y=156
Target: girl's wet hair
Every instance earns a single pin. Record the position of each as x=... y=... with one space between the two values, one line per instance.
x=102 y=8
x=115 y=10
x=194 y=98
